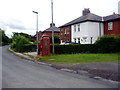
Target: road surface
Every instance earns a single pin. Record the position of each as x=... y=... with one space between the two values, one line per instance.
x=20 y=73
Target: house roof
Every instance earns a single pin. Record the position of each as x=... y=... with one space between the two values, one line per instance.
x=88 y=17
x=56 y=29
x=111 y=17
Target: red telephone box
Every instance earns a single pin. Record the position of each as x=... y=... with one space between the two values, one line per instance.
x=45 y=45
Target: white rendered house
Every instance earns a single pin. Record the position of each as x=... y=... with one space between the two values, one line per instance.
x=86 y=32
x=85 y=29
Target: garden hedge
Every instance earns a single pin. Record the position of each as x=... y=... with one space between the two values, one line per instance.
x=73 y=49
x=85 y=48
x=104 y=44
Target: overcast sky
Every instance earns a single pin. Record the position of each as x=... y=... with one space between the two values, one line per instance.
x=17 y=16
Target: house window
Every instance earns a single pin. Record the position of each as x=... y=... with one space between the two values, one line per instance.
x=61 y=31
x=74 y=28
x=78 y=27
x=67 y=40
x=61 y=41
x=79 y=40
x=67 y=30
x=75 y=40
x=91 y=39
x=110 y=26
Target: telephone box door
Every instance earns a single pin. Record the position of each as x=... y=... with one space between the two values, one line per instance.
x=45 y=45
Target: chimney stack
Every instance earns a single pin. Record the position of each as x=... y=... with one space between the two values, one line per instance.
x=85 y=11
x=51 y=24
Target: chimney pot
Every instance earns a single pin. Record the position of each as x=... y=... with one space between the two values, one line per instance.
x=51 y=24
x=85 y=11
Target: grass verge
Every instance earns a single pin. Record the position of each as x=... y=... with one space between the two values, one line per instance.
x=81 y=58
x=15 y=54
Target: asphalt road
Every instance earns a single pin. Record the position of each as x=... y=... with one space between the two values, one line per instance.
x=20 y=73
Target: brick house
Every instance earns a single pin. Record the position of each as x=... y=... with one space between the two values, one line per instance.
x=112 y=24
x=65 y=34
x=35 y=36
x=48 y=31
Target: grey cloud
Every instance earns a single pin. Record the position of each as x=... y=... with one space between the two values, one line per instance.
x=13 y=24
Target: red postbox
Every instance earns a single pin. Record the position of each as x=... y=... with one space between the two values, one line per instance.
x=45 y=45
x=38 y=47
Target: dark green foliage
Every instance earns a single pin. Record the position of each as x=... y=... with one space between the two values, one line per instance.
x=56 y=39
x=73 y=49
x=22 y=44
x=29 y=48
x=4 y=40
x=108 y=44
x=22 y=34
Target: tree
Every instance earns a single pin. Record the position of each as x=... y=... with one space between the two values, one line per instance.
x=18 y=42
x=56 y=39
x=3 y=38
x=22 y=34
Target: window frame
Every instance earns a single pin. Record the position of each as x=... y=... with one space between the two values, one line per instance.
x=78 y=27
x=110 y=26
x=61 y=31
x=65 y=31
x=68 y=30
x=75 y=40
x=75 y=28
x=79 y=40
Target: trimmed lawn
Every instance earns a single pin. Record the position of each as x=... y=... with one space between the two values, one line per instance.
x=81 y=58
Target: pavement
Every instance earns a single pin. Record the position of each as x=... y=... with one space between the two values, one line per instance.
x=104 y=70
x=22 y=73
x=32 y=53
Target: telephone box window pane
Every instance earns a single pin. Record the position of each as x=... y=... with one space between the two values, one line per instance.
x=46 y=47
x=110 y=26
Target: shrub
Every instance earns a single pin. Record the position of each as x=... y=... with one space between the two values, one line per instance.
x=56 y=39
x=22 y=44
x=29 y=48
x=108 y=44
x=73 y=49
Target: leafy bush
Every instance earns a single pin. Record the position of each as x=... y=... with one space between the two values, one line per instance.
x=29 y=48
x=22 y=44
x=73 y=49
x=56 y=39
x=108 y=44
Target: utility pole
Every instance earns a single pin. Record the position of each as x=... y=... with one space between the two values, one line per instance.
x=52 y=26
x=36 y=29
